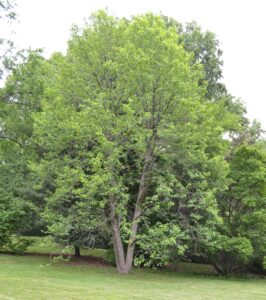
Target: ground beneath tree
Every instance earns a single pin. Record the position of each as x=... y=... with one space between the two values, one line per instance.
x=72 y=260
x=88 y=260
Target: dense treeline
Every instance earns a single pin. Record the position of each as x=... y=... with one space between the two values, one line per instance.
x=131 y=141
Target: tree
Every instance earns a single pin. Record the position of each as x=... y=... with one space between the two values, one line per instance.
x=124 y=99
x=206 y=50
x=7 y=9
x=19 y=98
x=7 y=14
x=242 y=208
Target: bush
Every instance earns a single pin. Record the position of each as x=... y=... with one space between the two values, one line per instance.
x=58 y=259
x=16 y=245
x=231 y=255
x=157 y=246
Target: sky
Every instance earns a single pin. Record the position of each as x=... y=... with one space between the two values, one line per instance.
x=238 y=24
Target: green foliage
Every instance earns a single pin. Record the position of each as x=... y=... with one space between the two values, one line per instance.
x=14 y=244
x=7 y=15
x=117 y=103
x=18 y=100
x=230 y=255
x=157 y=244
x=205 y=47
x=125 y=125
x=206 y=50
x=12 y=209
x=243 y=207
x=60 y=259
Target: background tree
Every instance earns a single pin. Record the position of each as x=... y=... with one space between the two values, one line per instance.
x=7 y=14
x=239 y=240
x=19 y=98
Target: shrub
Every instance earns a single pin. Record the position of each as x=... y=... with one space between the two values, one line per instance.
x=231 y=255
x=16 y=245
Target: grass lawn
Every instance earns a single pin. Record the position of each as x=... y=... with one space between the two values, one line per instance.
x=33 y=277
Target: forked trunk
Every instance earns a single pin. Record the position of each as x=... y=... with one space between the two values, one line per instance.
x=143 y=185
x=124 y=262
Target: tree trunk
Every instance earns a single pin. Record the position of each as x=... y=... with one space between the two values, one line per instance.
x=124 y=263
x=118 y=245
x=143 y=186
x=132 y=239
x=77 y=251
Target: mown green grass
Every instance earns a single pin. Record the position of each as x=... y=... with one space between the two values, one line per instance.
x=33 y=277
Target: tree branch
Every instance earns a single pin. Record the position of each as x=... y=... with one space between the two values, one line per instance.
x=12 y=140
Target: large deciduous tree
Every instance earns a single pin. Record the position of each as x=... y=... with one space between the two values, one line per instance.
x=123 y=105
